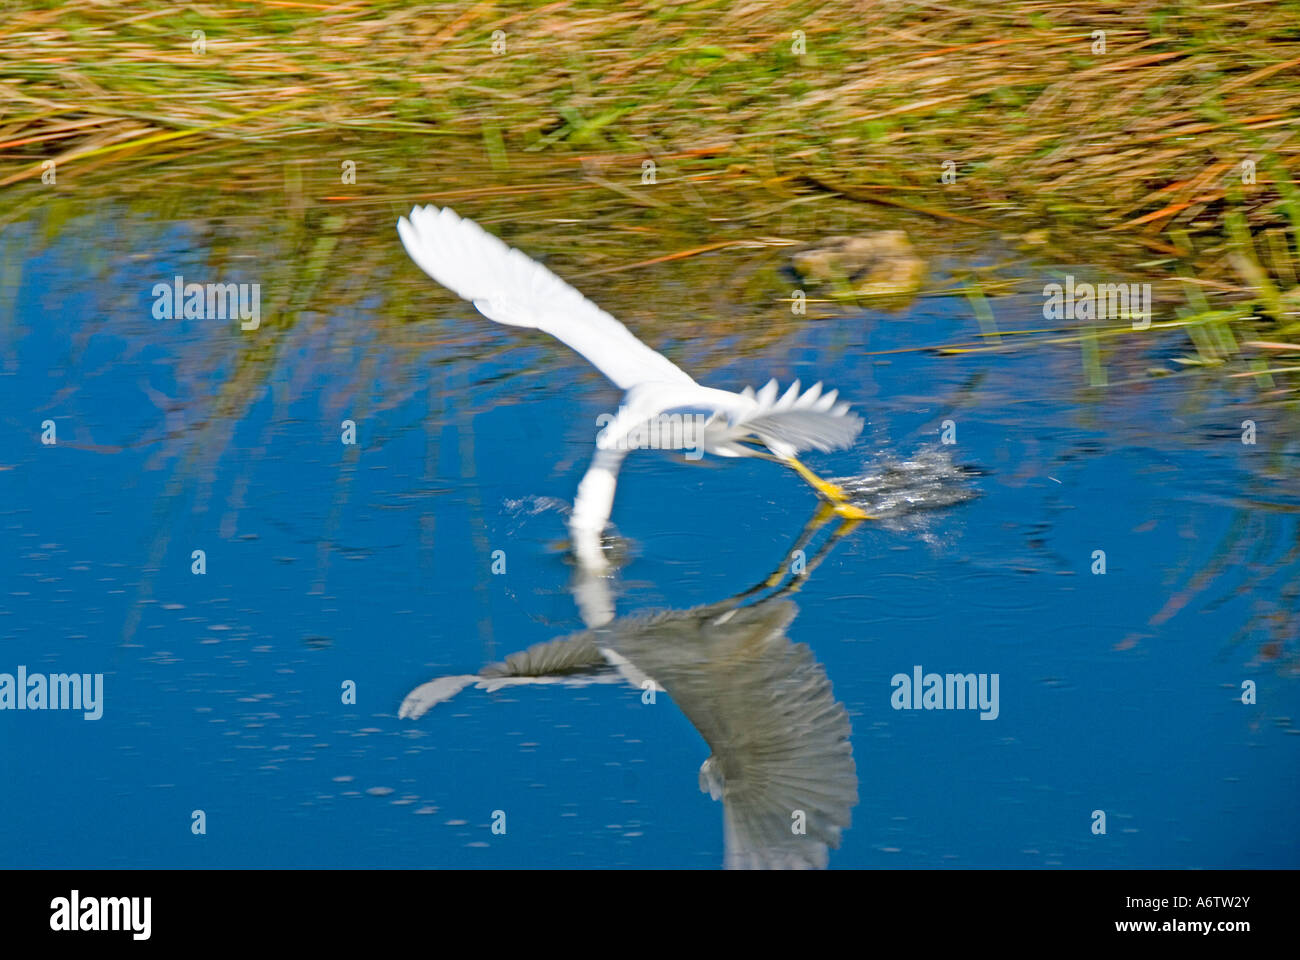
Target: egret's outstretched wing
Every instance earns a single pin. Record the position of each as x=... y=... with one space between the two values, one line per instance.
x=788 y=423
x=508 y=287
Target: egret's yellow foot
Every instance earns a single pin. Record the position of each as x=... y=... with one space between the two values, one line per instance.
x=839 y=500
x=828 y=490
x=849 y=512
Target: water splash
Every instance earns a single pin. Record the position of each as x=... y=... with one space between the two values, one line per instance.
x=896 y=490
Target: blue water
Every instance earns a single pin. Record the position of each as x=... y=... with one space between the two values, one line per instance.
x=371 y=564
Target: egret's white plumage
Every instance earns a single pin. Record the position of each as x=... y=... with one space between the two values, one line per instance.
x=508 y=287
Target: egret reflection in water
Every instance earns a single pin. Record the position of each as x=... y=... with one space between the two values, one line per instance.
x=782 y=760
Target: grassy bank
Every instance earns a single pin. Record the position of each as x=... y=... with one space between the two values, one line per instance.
x=1170 y=156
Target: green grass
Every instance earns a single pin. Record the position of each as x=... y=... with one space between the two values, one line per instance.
x=1118 y=160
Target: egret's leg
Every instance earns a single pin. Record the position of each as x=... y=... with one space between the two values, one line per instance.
x=827 y=489
x=795 y=582
x=838 y=498
x=819 y=519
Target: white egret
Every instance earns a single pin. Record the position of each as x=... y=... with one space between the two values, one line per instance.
x=508 y=287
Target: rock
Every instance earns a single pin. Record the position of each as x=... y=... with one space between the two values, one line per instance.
x=877 y=264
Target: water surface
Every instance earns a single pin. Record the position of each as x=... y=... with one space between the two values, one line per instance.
x=371 y=564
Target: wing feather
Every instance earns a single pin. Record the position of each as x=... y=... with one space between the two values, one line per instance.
x=789 y=423
x=508 y=287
